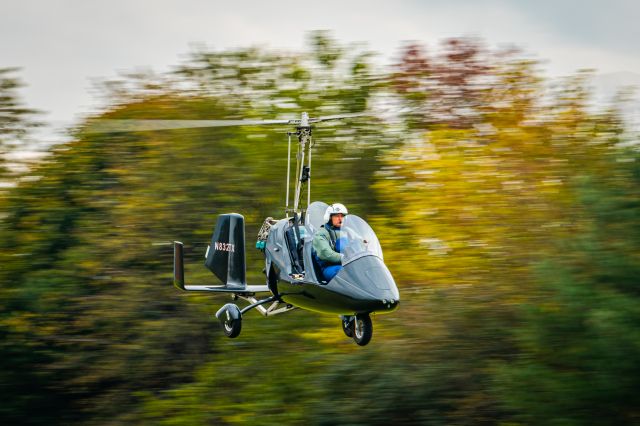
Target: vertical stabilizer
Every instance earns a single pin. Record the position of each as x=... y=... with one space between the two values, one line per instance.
x=225 y=255
x=178 y=265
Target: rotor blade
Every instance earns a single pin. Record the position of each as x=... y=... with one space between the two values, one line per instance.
x=111 y=126
x=337 y=117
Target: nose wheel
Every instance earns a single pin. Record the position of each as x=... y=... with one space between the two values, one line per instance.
x=359 y=327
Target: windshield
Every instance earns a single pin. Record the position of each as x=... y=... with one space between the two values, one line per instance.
x=357 y=239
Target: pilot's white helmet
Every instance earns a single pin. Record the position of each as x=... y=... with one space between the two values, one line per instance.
x=335 y=208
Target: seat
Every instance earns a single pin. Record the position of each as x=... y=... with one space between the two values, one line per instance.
x=317 y=269
x=295 y=249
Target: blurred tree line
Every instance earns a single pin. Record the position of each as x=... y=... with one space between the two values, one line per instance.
x=508 y=212
x=16 y=121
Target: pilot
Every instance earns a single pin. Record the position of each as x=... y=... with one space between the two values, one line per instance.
x=326 y=242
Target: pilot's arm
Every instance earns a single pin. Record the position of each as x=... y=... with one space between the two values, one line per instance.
x=322 y=246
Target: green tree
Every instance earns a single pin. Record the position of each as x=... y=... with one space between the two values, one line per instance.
x=578 y=340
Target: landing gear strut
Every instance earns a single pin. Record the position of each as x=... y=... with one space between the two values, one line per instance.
x=347 y=325
x=230 y=315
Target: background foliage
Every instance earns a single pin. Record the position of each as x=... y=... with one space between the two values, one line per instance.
x=508 y=211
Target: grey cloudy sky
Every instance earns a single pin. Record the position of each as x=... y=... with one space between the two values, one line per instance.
x=63 y=45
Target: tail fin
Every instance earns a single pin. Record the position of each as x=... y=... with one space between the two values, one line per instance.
x=178 y=265
x=225 y=255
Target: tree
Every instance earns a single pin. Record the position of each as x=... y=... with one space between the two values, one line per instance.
x=578 y=339
x=15 y=120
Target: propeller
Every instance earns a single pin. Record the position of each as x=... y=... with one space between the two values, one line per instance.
x=336 y=117
x=133 y=125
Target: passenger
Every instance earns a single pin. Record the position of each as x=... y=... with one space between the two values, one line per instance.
x=326 y=242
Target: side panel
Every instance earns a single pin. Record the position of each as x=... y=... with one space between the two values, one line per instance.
x=226 y=256
x=364 y=285
x=276 y=250
x=320 y=298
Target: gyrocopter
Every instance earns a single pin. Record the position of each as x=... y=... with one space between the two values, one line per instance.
x=294 y=279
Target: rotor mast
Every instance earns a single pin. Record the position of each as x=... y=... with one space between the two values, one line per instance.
x=303 y=169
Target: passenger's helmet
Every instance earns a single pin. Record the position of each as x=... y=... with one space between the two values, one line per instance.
x=335 y=209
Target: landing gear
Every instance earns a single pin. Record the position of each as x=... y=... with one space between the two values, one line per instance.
x=232 y=327
x=363 y=329
x=347 y=325
x=231 y=319
x=358 y=327
x=230 y=315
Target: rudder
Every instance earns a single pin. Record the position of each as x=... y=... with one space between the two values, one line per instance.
x=225 y=256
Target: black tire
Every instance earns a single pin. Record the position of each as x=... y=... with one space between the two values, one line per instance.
x=347 y=325
x=232 y=327
x=362 y=329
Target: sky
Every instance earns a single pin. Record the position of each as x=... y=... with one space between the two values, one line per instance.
x=64 y=46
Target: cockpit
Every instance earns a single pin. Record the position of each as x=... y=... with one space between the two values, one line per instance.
x=357 y=239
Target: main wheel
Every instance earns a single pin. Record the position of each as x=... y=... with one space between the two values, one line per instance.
x=347 y=325
x=232 y=327
x=362 y=329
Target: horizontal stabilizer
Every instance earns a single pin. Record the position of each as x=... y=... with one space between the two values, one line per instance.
x=178 y=278
x=222 y=289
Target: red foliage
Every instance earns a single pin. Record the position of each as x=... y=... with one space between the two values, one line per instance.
x=447 y=89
